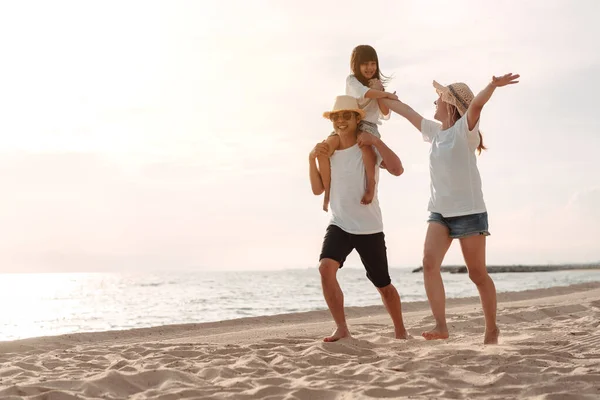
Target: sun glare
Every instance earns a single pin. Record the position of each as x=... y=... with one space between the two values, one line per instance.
x=28 y=299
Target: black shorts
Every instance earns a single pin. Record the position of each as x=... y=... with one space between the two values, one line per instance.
x=338 y=243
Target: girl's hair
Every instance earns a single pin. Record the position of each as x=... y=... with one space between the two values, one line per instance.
x=363 y=54
x=455 y=116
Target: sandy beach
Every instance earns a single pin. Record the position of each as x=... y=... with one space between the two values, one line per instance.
x=549 y=349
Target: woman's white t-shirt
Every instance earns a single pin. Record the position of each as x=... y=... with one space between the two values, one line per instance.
x=455 y=181
x=370 y=106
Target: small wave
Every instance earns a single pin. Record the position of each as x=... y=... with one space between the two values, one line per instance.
x=153 y=284
x=197 y=301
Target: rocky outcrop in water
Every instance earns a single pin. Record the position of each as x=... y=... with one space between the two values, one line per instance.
x=461 y=269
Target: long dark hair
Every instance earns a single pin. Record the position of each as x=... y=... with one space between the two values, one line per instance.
x=455 y=116
x=363 y=54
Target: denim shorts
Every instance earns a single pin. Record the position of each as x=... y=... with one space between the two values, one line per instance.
x=463 y=225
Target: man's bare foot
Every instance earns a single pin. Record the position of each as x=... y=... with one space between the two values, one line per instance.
x=491 y=337
x=337 y=335
x=436 y=334
x=326 y=202
x=369 y=193
x=403 y=335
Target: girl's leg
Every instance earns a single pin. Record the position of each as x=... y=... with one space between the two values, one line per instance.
x=333 y=141
x=369 y=159
x=473 y=249
x=437 y=243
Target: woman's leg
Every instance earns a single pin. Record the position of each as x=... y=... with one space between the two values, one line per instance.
x=473 y=249
x=437 y=243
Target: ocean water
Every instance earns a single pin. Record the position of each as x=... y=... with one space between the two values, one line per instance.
x=51 y=304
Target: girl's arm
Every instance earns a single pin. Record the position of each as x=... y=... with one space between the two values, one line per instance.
x=356 y=89
x=376 y=84
x=404 y=110
x=380 y=94
x=474 y=111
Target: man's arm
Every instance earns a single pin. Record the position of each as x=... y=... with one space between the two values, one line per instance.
x=316 y=183
x=391 y=161
x=315 y=177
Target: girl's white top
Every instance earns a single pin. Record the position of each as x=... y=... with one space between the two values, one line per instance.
x=455 y=181
x=356 y=89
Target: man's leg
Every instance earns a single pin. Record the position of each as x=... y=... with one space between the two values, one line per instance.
x=373 y=253
x=336 y=247
x=334 y=297
x=391 y=300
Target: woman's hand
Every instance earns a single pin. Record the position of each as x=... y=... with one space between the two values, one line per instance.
x=508 y=79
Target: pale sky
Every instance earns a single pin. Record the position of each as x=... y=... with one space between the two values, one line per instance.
x=175 y=134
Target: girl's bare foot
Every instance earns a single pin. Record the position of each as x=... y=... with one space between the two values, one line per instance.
x=326 y=202
x=369 y=193
x=338 y=334
x=491 y=337
x=436 y=333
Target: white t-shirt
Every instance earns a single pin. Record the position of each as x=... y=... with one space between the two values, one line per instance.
x=347 y=189
x=370 y=106
x=455 y=181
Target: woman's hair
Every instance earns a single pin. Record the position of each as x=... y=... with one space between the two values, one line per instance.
x=454 y=116
x=363 y=54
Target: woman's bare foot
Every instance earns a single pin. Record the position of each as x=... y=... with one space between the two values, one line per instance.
x=338 y=334
x=491 y=337
x=326 y=202
x=369 y=193
x=436 y=333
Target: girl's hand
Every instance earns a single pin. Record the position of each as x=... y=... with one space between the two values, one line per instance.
x=376 y=84
x=508 y=79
